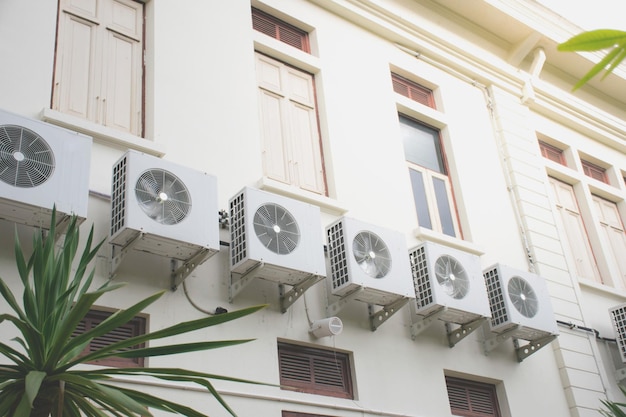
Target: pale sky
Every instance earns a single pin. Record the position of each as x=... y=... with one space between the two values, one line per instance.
x=589 y=15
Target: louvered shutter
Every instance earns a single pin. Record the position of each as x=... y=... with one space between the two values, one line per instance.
x=290 y=141
x=99 y=64
x=282 y=31
x=135 y=327
x=472 y=399
x=413 y=90
x=315 y=371
x=613 y=228
x=577 y=240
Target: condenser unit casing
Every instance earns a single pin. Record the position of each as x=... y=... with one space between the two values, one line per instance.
x=449 y=279
x=368 y=258
x=520 y=303
x=163 y=208
x=276 y=238
x=42 y=166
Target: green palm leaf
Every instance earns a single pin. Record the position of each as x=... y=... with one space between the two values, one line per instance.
x=598 y=40
x=56 y=295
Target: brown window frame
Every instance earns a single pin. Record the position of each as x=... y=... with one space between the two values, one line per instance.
x=297 y=414
x=135 y=327
x=315 y=371
x=594 y=171
x=552 y=153
x=413 y=90
x=280 y=30
x=472 y=398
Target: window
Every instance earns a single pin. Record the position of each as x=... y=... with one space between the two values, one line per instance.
x=99 y=62
x=295 y=414
x=552 y=153
x=280 y=30
x=316 y=371
x=472 y=399
x=432 y=191
x=291 y=147
x=136 y=327
x=594 y=171
x=577 y=242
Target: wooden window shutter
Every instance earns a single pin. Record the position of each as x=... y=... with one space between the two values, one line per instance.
x=413 y=90
x=280 y=30
x=135 y=327
x=594 y=171
x=315 y=371
x=552 y=153
x=472 y=399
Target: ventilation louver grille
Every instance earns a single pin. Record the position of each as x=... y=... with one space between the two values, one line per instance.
x=337 y=253
x=618 y=319
x=419 y=269
x=237 y=229
x=26 y=159
x=499 y=314
x=118 y=196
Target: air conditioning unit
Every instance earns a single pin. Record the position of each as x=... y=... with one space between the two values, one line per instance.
x=618 y=319
x=368 y=258
x=42 y=166
x=163 y=208
x=450 y=279
x=520 y=303
x=275 y=237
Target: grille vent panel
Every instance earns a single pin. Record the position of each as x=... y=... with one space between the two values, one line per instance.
x=237 y=230
x=26 y=159
x=337 y=252
x=499 y=314
x=419 y=269
x=118 y=193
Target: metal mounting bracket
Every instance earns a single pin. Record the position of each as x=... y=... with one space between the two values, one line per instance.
x=382 y=315
x=531 y=347
x=421 y=323
x=334 y=308
x=179 y=273
x=116 y=259
x=492 y=342
x=291 y=296
x=461 y=332
x=236 y=285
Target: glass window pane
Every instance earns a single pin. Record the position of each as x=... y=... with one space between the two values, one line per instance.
x=443 y=206
x=421 y=145
x=419 y=195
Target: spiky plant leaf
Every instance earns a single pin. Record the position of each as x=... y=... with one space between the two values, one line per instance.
x=40 y=378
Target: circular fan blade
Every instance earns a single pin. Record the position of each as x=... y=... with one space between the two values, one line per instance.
x=371 y=254
x=276 y=228
x=26 y=159
x=452 y=276
x=523 y=297
x=162 y=196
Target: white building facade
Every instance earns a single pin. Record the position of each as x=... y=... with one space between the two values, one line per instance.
x=419 y=172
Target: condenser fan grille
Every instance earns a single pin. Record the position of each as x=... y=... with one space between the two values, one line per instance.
x=523 y=297
x=276 y=228
x=452 y=277
x=163 y=196
x=371 y=254
x=26 y=159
